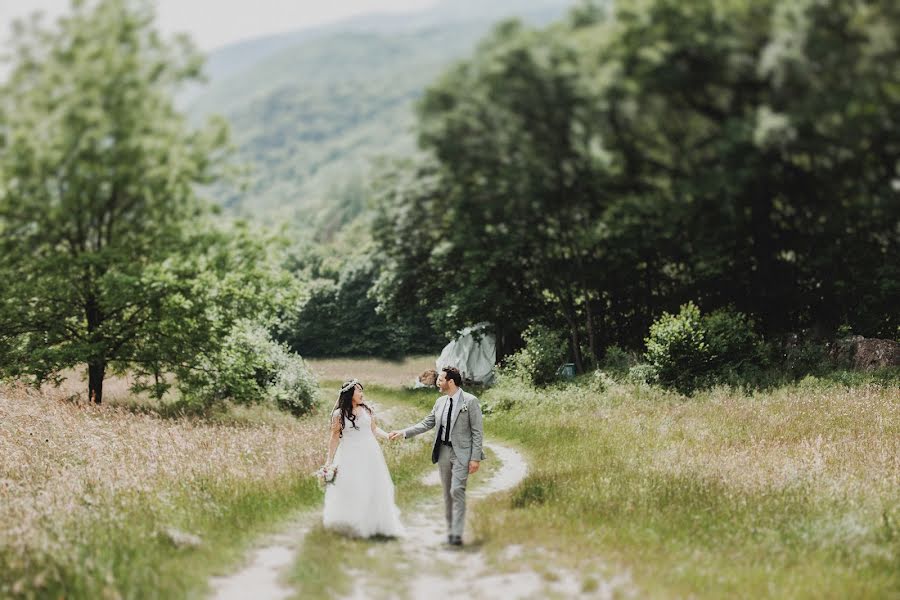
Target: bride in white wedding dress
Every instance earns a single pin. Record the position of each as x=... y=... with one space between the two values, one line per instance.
x=360 y=501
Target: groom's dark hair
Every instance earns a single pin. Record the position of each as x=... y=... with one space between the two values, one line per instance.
x=453 y=373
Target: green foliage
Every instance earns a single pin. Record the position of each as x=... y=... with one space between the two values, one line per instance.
x=544 y=352
x=730 y=116
x=251 y=368
x=338 y=315
x=511 y=194
x=803 y=356
x=616 y=360
x=677 y=348
x=597 y=172
x=641 y=373
x=734 y=345
x=687 y=351
x=109 y=256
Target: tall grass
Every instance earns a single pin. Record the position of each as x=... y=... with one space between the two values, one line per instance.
x=102 y=502
x=789 y=492
x=793 y=492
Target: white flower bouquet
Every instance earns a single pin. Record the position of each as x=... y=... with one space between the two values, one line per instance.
x=326 y=475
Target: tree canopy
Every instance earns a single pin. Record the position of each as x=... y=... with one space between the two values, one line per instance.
x=106 y=254
x=608 y=168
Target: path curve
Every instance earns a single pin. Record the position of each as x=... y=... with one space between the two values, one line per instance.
x=261 y=577
x=426 y=537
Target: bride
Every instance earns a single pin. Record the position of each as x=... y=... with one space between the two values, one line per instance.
x=360 y=502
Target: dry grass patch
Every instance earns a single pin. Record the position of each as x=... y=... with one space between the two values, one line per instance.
x=93 y=500
x=371 y=370
x=838 y=441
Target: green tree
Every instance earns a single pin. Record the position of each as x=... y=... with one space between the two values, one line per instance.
x=512 y=194
x=338 y=314
x=100 y=255
x=766 y=131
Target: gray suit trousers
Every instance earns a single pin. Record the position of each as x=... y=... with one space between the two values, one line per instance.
x=454 y=476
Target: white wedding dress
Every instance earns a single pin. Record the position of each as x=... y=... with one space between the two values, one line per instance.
x=360 y=502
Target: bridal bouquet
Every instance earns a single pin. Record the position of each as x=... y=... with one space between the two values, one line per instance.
x=326 y=475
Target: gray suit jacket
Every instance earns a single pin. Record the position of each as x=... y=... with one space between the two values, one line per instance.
x=466 y=428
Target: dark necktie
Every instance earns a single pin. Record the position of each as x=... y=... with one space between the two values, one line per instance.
x=449 y=415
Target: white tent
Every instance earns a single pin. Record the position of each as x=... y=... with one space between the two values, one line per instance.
x=474 y=359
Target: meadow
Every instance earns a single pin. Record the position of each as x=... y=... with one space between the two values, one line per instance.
x=790 y=492
x=793 y=492
x=111 y=501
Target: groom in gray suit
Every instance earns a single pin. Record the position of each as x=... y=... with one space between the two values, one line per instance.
x=457 y=447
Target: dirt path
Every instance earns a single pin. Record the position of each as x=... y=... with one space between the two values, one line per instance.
x=422 y=565
x=426 y=533
x=424 y=553
x=261 y=577
x=425 y=567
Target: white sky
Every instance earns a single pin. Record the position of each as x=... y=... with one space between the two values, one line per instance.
x=214 y=23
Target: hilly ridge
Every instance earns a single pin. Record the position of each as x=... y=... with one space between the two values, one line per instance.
x=310 y=110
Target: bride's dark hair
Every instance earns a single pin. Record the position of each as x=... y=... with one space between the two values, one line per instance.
x=345 y=403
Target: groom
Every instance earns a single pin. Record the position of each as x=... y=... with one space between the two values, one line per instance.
x=457 y=445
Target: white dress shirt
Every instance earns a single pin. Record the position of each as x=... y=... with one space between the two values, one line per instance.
x=446 y=417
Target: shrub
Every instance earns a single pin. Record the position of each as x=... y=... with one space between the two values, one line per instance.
x=251 y=368
x=688 y=351
x=545 y=350
x=801 y=356
x=294 y=388
x=677 y=349
x=617 y=361
x=737 y=353
x=641 y=373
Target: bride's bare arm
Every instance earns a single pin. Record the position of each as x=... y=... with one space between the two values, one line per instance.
x=335 y=438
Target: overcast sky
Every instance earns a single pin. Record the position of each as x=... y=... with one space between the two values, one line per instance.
x=214 y=23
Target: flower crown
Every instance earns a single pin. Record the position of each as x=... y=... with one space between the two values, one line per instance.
x=349 y=385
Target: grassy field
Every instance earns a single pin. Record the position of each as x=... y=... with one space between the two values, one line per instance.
x=104 y=502
x=792 y=492
x=371 y=371
x=118 y=501
x=789 y=493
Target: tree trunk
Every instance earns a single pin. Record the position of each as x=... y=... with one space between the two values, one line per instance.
x=592 y=339
x=576 y=347
x=157 y=388
x=97 y=363
x=96 y=372
x=499 y=344
x=570 y=315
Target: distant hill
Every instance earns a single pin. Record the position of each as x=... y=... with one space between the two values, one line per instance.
x=309 y=110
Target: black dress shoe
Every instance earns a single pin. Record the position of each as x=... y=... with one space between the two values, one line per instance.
x=455 y=540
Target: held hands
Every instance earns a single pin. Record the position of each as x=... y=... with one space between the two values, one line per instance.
x=395 y=434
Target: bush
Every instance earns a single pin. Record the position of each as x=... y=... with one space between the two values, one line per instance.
x=736 y=352
x=294 y=389
x=251 y=368
x=801 y=356
x=617 y=361
x=641 y=373
x=677 y=349
x=688 y=351
x=545 y=350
